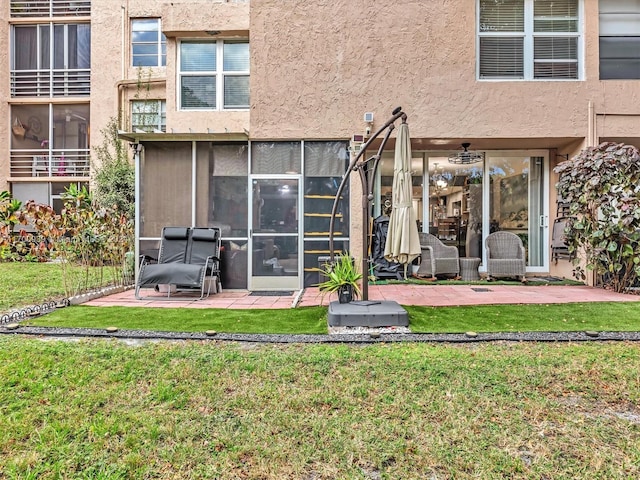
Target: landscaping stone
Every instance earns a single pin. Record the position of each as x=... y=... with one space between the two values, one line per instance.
x=142 y=335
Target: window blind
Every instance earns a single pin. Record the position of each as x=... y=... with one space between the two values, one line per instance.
x=502 y=16
x=501 y=57
x=198 y=57
x=198 y=92
x=236 y=91
x=555 y=16
x=529 y=39
x=236 y=57
x=619 y=39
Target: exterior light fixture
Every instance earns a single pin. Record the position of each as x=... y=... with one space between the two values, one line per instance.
x=466 y=157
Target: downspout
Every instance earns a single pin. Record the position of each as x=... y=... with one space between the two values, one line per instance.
x=123 y=59
x=591 y=125
x=194 y=179
x=136 y=216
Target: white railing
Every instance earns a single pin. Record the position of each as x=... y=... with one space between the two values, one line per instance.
x=54 y=163
x=51 y=83
x=50 y=8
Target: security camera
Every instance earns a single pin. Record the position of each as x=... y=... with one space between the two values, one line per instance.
x=368 y=131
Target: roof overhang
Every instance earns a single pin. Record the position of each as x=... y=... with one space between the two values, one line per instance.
x=136 y=137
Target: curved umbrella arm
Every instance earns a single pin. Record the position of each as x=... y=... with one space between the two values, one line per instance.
x=396 y=114
x=367 y=190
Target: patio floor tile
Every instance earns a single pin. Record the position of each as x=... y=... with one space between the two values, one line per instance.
x=404 y=294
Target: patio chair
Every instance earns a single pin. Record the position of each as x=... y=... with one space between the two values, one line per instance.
x=437 y=258
x=505 y=256
x=185 y=260
x=205 y=249
x=559 y=247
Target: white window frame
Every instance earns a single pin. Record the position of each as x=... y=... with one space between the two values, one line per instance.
x=153 y=110
x=160 y=43
x=528 y=36
x=219 y=75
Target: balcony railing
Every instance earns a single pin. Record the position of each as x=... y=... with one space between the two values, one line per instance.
x=50 y=8
x=54 y=163
x=51 y=83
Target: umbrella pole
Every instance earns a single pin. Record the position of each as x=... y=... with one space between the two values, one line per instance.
x=365 y=236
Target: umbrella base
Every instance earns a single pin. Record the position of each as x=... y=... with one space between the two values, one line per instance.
x=367 y=313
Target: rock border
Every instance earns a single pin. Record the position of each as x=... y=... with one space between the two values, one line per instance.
x=361 y=338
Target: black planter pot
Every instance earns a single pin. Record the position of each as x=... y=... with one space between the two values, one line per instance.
x=345 y=294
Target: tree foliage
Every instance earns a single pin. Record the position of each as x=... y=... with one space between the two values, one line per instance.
x=114 y=175
x=601 y=185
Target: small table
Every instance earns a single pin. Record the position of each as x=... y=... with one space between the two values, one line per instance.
x=469 y=268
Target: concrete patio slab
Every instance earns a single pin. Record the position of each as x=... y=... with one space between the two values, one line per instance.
x=403 y=294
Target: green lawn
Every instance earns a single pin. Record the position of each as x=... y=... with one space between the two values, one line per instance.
x=104 y=410
x=605 y=316
x=25 y=284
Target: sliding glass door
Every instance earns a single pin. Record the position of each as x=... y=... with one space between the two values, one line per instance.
x=508 y=191
x=517 y=193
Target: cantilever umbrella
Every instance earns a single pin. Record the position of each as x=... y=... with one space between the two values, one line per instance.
x=403 y=242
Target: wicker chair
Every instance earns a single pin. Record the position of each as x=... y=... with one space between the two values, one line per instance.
x=505 y=256
x=437 y=258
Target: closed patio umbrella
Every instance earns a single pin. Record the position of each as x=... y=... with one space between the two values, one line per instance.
x=403 y=241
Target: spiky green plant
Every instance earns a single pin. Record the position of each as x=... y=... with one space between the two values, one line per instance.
x=342 y=271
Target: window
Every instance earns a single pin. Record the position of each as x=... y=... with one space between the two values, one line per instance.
x=50 y=140
x=528 y=39
x=149 y=115
x=49 y=8
x=619 y=39
x=148 y=43
x=51 y=60
x=214 y=75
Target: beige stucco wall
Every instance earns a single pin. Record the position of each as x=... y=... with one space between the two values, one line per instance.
x=188 y=18
x=361 y=55
x=316 y=67
x=5 y=114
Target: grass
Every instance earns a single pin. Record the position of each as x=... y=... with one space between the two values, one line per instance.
x=307 y=320
x=104 y=410
x=25 y=284
x=31 y=283
x=569 y=317
x=597 y=316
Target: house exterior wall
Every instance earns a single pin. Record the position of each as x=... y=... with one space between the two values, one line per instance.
x=316 y=67
x=361 y=56
x=5 y=123
x=180 y=19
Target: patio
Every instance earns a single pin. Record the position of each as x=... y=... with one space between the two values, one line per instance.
x=404 y=294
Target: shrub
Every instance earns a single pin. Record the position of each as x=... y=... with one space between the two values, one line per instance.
x=601 y=186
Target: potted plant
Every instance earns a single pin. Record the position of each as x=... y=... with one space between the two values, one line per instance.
x=342 y=277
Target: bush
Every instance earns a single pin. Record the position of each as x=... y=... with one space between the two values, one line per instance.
x=82 y=234
x=601 y=185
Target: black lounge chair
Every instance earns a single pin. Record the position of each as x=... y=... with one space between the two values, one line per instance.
x=189 y=259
